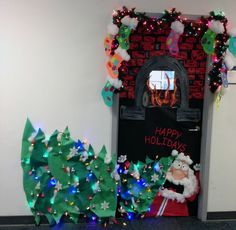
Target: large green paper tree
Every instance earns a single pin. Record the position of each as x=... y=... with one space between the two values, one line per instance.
x=61 y=177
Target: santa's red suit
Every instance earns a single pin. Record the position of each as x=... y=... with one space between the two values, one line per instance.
x=170 y=201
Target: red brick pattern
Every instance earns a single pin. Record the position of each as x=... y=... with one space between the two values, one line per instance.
x=144 y=45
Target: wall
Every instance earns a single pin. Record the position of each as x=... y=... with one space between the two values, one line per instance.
x=52 y=71
x=222 y=187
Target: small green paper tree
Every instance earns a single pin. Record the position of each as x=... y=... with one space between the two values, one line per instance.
x=103 y=203
x=141 y=184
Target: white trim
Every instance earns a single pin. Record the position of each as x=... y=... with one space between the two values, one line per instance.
x=161 y=206
x=164 y=208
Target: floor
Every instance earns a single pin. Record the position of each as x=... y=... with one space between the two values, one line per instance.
x=163 y=223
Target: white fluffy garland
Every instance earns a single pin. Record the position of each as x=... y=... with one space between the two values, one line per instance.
x=112 y=29
x=131 y=22
x=216 y=26
x=123 y=53
x=229 y=60
x=178 y=27
x=115 y=82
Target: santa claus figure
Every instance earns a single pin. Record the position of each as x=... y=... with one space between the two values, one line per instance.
x=180 y=187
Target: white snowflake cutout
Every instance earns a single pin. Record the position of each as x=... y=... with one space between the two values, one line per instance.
x=59 y=136
x=73 y=152
x=104 y=205
x=154 y=177
x=122 y=158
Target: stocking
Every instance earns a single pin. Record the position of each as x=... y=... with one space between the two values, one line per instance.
x=232 y=45
x=123 y=37
x=108 y=44
x=172 y=42
x=113 y=65
x=107 y=94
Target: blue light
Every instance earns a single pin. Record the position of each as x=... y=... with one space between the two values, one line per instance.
x=79 y=146
x=130 y=215
x=53 y=182
x=120 y=171
x=94 y=218
x=73 y=190
x=36 y=177
x=142 y=182
x=90 y=174
x=157 y=167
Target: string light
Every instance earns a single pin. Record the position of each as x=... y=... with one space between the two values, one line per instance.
x=53 y=182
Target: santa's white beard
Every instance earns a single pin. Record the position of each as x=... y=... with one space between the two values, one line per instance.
x=190 y=187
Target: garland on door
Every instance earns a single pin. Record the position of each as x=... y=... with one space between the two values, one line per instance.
x=216 y=41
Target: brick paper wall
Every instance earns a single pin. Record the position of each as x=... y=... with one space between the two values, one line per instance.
x=144 y=45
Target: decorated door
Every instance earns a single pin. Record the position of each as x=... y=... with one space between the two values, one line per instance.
x=161 y=109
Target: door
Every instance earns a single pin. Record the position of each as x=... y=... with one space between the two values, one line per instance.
x=160 y=107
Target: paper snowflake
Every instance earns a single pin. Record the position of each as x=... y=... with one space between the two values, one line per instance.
x=73 y=152
x=58 y=186
x=38 y=186
x=122 y=158
x=104 y=205
x=59 y=136
x=84 y=156
x=154 y=177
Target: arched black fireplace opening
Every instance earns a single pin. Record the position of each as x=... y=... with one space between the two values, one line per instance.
x=161 y=63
